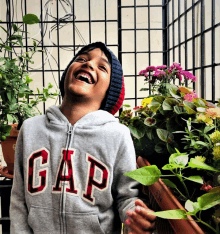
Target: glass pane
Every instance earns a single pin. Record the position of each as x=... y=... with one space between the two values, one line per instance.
x=127 y=41
x=127 y=17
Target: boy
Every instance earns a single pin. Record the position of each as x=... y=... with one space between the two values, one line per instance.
x=70 y=162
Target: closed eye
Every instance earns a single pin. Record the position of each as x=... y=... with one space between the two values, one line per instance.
x=81 y=59
x=104 y=68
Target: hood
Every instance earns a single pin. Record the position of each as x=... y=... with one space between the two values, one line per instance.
x=95 y=118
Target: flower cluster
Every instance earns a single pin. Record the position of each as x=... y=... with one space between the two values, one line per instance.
x=146 y=101
x=209 y=115
x=215 y=137
x=138 y=107
x=190 y=96
x=162 y=73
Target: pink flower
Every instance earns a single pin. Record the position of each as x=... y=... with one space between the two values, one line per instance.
x=150 y=69
x=194 y=94
x=178 y=75
x=190 y=96
x=169 y=71
x=176 y=66
x=161 y=67
x=188 y=75
x=159 y=74
x=142 y=73
x=146 y=74
x=206 y=187
x=194 y=79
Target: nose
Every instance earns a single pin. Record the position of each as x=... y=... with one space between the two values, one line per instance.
x=89 y=64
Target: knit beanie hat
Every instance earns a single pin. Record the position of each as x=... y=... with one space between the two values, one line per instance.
x=116 y=91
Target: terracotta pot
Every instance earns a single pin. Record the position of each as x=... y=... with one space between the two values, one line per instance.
x=8 y=148
x=167 y=201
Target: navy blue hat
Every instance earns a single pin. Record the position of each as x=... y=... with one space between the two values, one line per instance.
x=116 y=91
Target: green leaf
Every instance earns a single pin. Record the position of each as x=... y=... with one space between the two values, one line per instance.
x=149 y=121
x=179 y=110
x=137 y=133
x=126 y=105
x=4 y=29
x=30 y=19
x=171 y=214
x=146 y=175
x=169 y=183
x=164 y=135
x=159 y=148
x=173 y=92
x=154 y=108
x=10 y=118
x=28 y=80
x=170 y=167
x=8 y=48
x=10 y=95
x=201 y=143
x=149 y=133
x=208 y=128
x=157 y=100
x=181 y=160
x=209 y=200
x=199 y=102
x=197 y=179
x=15 y=27
x=190 y=107
x=170 y=149
x=192 y=207
x=194 y=163
x=144 y=89
x=169 y=103
x=15 y=37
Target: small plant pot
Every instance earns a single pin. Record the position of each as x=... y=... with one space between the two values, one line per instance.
x=167 y=201
x=8 y=148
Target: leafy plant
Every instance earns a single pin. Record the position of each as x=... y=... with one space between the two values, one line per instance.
x=171 y=120
x=175 y=118
x=178 y=162
x=17 y=101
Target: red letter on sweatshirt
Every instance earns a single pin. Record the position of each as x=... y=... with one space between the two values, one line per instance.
x=91 y=181
x=43 y=155
x=65 y=172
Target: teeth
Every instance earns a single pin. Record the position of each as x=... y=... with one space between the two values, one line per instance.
x=84 y=77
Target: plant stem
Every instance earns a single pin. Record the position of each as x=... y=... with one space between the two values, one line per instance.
x=181 y=180
x=180 y=193
x=207 y=225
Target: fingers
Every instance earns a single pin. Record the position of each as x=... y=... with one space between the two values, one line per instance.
x=141 y=220
x=137 y=229
x=138 y=221
x=144 y=211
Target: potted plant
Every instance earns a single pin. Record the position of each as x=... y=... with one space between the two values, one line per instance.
x=17 y=101
x=179 y=133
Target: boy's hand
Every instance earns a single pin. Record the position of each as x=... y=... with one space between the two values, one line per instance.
x=140 y=221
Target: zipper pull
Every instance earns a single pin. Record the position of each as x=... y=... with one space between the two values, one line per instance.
x=70 y=130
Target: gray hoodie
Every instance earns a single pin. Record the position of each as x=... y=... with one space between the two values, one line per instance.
x=69 y=178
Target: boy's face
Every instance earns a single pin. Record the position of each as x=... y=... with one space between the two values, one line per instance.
x=89 y=76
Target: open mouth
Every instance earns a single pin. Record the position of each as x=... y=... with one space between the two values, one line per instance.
x=85 y=77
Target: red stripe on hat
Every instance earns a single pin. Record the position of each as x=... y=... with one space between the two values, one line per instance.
x=121 y=98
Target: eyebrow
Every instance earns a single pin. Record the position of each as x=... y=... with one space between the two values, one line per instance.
x=103 y=59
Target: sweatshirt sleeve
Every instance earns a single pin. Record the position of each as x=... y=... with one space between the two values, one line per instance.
x=125 y=190
x=18 y=208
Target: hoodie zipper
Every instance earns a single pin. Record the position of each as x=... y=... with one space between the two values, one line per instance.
x=63 y=223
